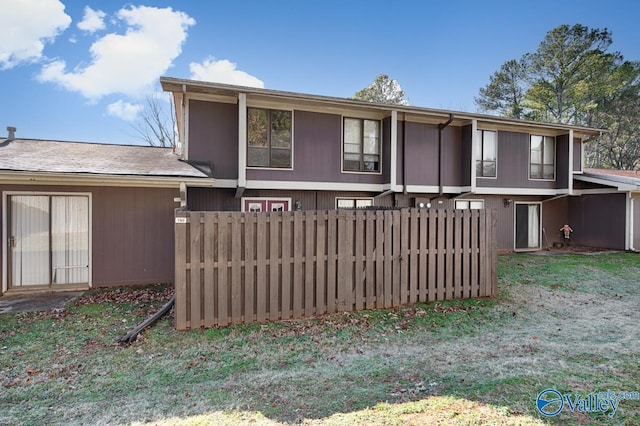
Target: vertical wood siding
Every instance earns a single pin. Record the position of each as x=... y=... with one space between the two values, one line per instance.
x=234 y=268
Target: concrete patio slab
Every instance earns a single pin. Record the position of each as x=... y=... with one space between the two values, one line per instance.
x=36 y=302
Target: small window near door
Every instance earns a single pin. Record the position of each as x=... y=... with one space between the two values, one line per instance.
x=353 y=203
x=257 y=204
x=469 y=204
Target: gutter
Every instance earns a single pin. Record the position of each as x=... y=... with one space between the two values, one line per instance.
x=441 y=127
x=74 y=179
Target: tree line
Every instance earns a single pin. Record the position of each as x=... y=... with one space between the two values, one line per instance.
x=572 y=78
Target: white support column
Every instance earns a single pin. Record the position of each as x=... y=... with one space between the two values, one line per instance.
x=242 y=140
x=393 y=161
x=184 y=103
x=474 y=141
x=628 y=238
x=570 y=183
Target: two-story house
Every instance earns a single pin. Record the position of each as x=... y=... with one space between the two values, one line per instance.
x=274 y=150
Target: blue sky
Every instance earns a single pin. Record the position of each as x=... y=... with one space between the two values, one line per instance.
x=81 y=70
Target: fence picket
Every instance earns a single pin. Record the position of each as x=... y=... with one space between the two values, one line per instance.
x=261 y=267
x=273 y=264
x=309 y=272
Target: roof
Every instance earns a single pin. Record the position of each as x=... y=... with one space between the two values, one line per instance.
x=177 y=85
x=35 y=155
x=624 y=180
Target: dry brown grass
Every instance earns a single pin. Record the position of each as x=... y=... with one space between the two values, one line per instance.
x=560 y=321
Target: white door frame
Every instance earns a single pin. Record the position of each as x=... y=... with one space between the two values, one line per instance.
x=528 y=203
x=5 y=230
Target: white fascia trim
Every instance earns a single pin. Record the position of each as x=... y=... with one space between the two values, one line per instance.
x=595 y=191
x=619 y=185
x=393 y=167
x=519 y=191
x=311 y=186
x=85 y=179
x=225 y=183
x=434 y=189
x=242 y=139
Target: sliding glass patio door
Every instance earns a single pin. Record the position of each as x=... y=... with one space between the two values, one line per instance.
x=49 y=240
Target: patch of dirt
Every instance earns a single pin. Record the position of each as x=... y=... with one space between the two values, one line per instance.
x=577 y=249
x=131 y=295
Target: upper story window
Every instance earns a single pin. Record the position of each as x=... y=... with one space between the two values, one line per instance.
x=542 y=158
x=486 y=153
x=361 y=145
x=268 y=138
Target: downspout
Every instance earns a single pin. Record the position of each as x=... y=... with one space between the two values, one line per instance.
x=242 y=144
x=441 y=127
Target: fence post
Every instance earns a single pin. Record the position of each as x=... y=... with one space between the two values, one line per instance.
x=180 y=280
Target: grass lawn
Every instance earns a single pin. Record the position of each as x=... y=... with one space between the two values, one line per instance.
x=568 y=322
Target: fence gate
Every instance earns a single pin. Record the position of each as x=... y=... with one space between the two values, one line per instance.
x=234 y=267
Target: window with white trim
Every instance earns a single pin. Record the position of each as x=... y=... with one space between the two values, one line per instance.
x=469 y=204
x=542 y=157
x=361 y=145
x=269 y=139
x=353 y=203
x=486 y=153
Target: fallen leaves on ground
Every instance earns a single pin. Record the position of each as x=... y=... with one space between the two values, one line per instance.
x=131 y=295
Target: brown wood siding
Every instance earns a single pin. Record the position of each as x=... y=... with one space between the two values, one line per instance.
x=577 y=155
x=386 y=150
x=562 y=162
x=317 y=153
x=210 y=199
x=555 y=214
x=400 y=160
x=465 y=157
x=132 y=232
x=452 y=161
x=213 y=136
x=421 y=143
x=598 y=220
x=513 y=164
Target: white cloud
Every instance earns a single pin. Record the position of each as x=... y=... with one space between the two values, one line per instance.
x=124 y=110
x=222 y=71
x=92 y=21
x=127 y=63
x=26 y=26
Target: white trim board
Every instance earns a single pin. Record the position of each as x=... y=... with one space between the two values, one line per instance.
x=520 y=191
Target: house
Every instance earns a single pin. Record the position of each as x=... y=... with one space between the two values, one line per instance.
x=76 y=215
x=274 y=150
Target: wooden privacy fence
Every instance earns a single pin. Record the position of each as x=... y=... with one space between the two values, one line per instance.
x=234 y=267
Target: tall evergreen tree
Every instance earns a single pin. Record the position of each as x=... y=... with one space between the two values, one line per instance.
x=383 y=90
x=573 y=78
